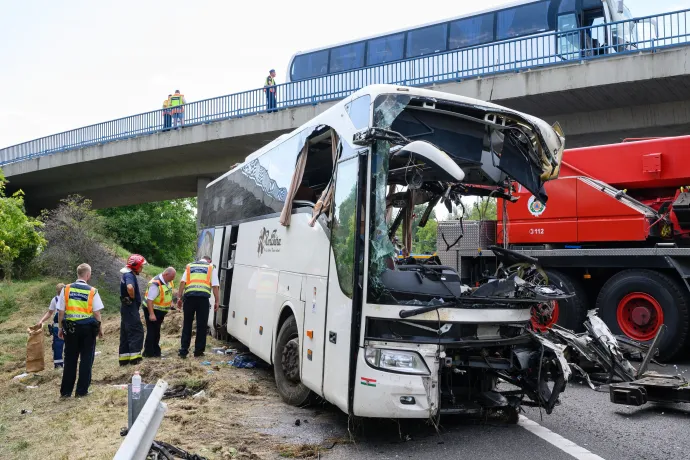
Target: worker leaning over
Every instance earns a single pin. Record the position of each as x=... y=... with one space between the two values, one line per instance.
x=58 y=343
x=199 y=280
x=159 y=296
x=79 y=317
x=131 y=330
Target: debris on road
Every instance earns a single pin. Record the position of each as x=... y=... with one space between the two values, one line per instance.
x=20 y=376
x=163 y=450
x=596 y=355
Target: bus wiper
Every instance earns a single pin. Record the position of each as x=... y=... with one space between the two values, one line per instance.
x=428 y=308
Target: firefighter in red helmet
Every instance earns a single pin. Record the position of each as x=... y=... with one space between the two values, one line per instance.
x=131 y=329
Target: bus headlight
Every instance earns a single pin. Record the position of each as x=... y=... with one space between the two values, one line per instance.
x=408 y=362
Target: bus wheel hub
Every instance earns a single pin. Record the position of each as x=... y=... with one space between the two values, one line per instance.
x=290 y=360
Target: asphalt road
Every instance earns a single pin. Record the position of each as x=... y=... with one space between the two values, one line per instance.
x=585 y=425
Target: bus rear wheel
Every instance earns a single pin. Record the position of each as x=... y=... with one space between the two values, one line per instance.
x=635 y=303
x=286 y=365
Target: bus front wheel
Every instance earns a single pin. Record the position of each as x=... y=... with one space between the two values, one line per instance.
x=286 y=365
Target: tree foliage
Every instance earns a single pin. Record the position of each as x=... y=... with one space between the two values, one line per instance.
x=483 y=208
x=20 y=237
x=164 y=232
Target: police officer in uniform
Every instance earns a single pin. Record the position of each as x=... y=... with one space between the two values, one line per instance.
x=131 y=330
x=79 y=316
x=159 y=296
x=58 y=343
x=199 y=280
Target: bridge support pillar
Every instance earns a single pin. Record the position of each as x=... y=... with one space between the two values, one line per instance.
x=201 y=183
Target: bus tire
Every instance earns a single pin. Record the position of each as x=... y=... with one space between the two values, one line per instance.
x=286 y=365
x=635 y=302
x=572 y=312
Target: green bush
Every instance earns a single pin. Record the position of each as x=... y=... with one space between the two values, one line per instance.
x=20 y=237
x=164 y=232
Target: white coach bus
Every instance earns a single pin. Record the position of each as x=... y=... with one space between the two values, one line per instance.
x=518 y=35
x=343 y=320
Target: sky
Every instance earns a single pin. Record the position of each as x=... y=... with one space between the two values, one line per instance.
x=70 y=63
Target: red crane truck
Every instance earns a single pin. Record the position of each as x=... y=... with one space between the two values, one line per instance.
x=615 y=231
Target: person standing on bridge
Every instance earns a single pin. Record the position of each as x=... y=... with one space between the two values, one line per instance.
x=159 y=296
x=177 y=103
x=79 y=317
x=167 y=114
x=131 y=330
x=199 y=280
x=270 y=90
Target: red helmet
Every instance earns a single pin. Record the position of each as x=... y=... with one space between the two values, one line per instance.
x=135 y=262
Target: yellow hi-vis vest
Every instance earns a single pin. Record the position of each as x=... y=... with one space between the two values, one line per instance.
x=198 y=279
x=164 y=299
x=175 y=100
x=79 y=301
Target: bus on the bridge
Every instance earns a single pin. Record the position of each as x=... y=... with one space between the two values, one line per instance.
x=303 y=234
x=518 y=35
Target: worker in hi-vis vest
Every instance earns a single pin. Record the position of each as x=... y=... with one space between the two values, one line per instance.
x=176 y=106
x=270 y=90
x=79 y=318
x=159 y=297
x=194 y=294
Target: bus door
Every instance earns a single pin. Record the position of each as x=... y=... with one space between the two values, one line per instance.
x=225 y=267
x=344 y=280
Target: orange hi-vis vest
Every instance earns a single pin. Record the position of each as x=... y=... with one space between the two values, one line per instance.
x=79 y=301
x=198 y=279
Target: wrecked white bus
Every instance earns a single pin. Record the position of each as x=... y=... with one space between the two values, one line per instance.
x=302 y=234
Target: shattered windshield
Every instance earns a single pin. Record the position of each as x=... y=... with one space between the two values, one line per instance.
x=426 y=152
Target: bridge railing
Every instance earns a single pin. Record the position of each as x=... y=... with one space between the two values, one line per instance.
x=645 y=34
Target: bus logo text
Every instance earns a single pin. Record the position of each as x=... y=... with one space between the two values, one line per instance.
x=268 y=241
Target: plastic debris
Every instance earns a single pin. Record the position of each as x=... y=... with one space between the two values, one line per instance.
x=97 y=353
x=247 y=361
x=31 y=387
x=206 y=363
x=201 y=394
x=122 y=386
x=20 y=376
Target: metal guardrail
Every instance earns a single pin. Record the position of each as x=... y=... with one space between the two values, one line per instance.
x=647 y=34
x=141 y=434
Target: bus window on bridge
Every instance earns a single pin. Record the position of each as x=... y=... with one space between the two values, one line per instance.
x=310 y=65
x=428 y=40
x=523 y=20
x=471 y=31
x=347 y=57
x=385 y=49
x=568 y=6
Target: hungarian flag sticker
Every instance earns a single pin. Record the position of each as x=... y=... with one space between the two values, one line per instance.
x=368 y=382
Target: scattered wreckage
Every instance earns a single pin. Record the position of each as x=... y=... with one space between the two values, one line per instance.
x=598 y=356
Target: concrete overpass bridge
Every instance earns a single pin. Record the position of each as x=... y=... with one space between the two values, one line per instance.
x=636 y=93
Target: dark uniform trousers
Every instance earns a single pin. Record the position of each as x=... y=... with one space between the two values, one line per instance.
x=152 y=348
x=80 y=344
x=199 y=306
x=131 y=334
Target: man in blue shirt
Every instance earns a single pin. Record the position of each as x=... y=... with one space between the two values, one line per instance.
x=131 y=329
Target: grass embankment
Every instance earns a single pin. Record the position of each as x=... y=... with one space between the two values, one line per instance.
x=220 y=426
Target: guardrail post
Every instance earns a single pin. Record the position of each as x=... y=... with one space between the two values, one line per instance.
x=137 y=444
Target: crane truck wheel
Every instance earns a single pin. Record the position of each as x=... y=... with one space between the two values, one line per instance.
x=569 y=313
x=286 y=365
x=636 y=303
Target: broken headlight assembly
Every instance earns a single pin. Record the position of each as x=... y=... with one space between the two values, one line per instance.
x=407 y=362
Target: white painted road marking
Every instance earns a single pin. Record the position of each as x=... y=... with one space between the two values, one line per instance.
x=569 y=447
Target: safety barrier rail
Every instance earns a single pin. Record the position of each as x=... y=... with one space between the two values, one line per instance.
x=647 y=34
x=137 y=444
